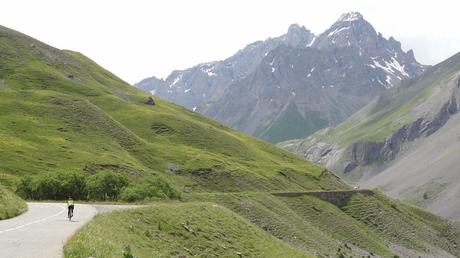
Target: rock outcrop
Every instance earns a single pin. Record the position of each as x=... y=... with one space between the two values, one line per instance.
x=366 y=153
x=149 y=101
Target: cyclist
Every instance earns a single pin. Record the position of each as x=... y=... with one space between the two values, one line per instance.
x=70 y=206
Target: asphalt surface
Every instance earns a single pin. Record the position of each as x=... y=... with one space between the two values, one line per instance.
x=42 y=231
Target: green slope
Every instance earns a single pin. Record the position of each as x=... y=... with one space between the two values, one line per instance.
x=397 y=106
x=360 y=226
x=291 y=124
x=63 y=112
x=176 y=230
x=371 y=223
x=10 y=204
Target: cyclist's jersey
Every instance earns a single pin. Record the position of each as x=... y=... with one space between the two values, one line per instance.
x=70 y=203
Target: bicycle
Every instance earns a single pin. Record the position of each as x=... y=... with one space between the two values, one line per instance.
x=70 y=212
x=70 y=206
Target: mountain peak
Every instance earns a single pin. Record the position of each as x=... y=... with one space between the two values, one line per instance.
x=350 y=29
x=350 y=16
x=293 y=28
x=298 y=35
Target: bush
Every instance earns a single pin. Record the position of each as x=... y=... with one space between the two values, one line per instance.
x=24 y=188
x=53 y=186
x=105 y=185
x=149 y=188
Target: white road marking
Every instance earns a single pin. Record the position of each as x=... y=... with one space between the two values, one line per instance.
x=34 y=222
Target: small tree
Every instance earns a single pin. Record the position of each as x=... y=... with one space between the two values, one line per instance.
x=24 y=188
x=105 y=185
x=46 y=186
x=153 y=187
x=72 y=184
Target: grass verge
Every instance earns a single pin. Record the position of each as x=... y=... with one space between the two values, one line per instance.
x=10 y=204
x=176 y=230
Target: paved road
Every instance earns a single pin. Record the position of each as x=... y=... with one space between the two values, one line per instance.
x=42 y=231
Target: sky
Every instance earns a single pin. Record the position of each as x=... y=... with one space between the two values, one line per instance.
x=137 y=39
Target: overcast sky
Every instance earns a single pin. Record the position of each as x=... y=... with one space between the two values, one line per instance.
x=136 y=39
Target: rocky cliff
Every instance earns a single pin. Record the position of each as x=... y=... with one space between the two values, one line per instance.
x=366 y=153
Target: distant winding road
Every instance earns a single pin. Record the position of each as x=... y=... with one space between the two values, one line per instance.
x=42 y=231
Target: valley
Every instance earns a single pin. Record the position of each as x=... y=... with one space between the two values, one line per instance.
x=154 y=177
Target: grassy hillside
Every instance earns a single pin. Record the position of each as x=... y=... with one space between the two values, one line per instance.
x=363 y=225
x=10 y=204
x=176 y=230
x=63 y=112
x=291 y=122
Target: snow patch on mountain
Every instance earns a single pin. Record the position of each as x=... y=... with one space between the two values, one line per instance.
x=337 y=31
x=393 y=67
x=312 y=42
x=178 y=78
x=209 y=71
x=389 y=83
x=396 y=65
